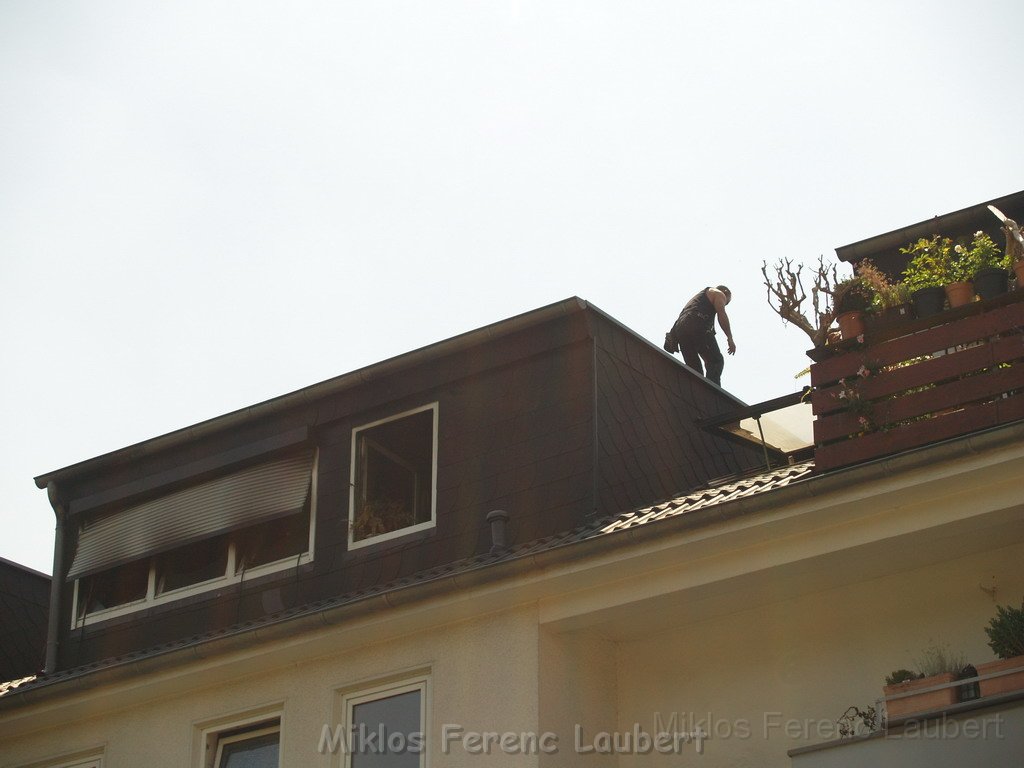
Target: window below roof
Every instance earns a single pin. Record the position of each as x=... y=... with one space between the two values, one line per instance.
x=202 y=565
x=383 y=726
x=248 y=742
x=394 y=476
x=251 y=748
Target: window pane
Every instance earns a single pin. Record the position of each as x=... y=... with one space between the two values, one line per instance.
x=394 y=472
x=115 y=586
x=257 y=752
x=276 y=540
x=386 y=732
x=192 y=564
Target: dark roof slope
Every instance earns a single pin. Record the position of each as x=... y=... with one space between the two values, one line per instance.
x=24 y=598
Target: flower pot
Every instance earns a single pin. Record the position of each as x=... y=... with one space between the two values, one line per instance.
x=1006 y=683
x=928 y=301
x=889 y=317
x=959 y=294
x=851 y=324
x=921 y=702
x=990 y=282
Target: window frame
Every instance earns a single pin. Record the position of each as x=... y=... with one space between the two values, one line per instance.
x=252 y=733
x=353 y=543
x=364 y=694
x=210 y=735
x=230 y=577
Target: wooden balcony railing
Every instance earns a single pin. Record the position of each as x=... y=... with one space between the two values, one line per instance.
x=927 y=380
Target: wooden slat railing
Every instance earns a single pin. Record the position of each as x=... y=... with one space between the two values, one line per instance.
x=946 y=376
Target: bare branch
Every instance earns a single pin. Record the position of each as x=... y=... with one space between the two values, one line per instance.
x=787 y=293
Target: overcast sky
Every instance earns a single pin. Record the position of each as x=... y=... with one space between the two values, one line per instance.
x=205 y=205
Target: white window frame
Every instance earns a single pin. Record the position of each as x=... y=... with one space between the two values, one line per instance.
x=245 y=736
x=363 y=695
x=426 y=524
x=208 y=747
x=229 y=578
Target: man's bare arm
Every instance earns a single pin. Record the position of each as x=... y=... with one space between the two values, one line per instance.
x=718 y=301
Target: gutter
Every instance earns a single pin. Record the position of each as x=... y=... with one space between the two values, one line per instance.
x=56 y=580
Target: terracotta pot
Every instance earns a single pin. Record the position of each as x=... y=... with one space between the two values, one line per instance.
x=1006 y=683
x=851 y=324
x=959 y=294
x=922 y=702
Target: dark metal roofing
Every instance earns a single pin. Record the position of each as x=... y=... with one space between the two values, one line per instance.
x=24 y=598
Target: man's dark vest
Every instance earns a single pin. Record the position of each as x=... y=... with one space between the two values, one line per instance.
x=698 y=315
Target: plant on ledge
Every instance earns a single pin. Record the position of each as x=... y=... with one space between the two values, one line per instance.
x=788 y=289
x=855 y=720
x=901 y=676
x=929 y=263
x=886 y=294
x=1006 y=632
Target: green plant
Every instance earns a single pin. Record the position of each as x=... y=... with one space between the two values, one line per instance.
x=935 y=660
x=898 y=676
x=982 y=252
x=929 y=263
x=885 y=294
x=1005 y=631
x=854 y=720
x=938 y=261
x=852 y=294
x=850 y=397
x=378 y=516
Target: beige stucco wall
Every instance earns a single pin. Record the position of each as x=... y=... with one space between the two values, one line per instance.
x=483 y=675
x=799 y=606
x=805 y=659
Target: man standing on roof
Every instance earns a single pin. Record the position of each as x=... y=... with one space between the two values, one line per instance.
x=694 y=332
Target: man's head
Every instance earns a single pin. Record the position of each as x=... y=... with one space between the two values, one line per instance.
x=725 y=289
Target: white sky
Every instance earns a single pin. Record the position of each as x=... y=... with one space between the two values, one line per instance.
x=205 y=205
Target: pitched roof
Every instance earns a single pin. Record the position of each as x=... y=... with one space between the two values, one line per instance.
x=714 y=495
x=24 y=601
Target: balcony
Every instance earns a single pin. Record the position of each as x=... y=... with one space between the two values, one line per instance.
x=985 y=731
x=920 y=382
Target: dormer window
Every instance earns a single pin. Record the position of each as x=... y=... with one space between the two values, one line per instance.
x=394 y=475
x=250 y=523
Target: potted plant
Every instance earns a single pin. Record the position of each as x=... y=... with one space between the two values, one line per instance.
x=891 y=300
x=1005 y=633
x=852 y=297
x=961 y=265
x=926 y=274
x=905 y=692
x=991 y=266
